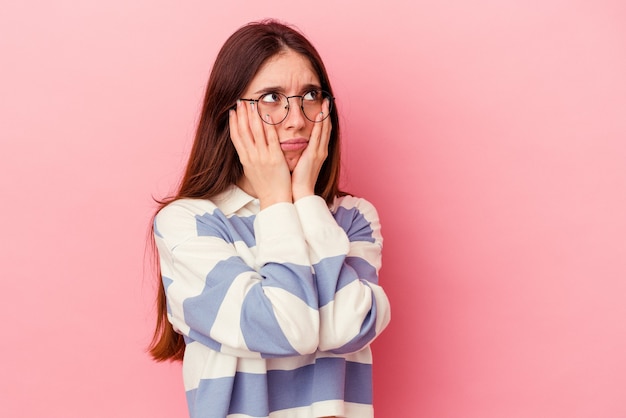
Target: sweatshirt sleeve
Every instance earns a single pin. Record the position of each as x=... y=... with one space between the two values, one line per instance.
x=345 y=251
x=265 y=306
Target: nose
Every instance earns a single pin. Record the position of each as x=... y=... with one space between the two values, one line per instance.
x=295 y=118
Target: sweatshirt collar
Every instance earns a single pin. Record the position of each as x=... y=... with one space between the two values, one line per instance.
x=232 y=200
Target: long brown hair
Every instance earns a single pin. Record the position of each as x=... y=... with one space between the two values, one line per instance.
x=213 y=164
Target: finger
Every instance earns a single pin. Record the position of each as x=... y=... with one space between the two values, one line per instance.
x=316 y=132
x=271 y=135
x=327 y=125
x=256 y=125
x=235 y=137
x=243 y=139
x=243 y=124
x=321 y=129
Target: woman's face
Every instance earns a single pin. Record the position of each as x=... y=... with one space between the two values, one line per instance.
x=291 y=74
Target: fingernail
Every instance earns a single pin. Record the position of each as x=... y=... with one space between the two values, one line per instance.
x=267 y=117
x=238 y=102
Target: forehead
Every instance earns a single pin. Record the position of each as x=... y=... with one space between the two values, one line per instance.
x=287 y=70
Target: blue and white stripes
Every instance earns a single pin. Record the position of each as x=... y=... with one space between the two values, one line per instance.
x=278 y=307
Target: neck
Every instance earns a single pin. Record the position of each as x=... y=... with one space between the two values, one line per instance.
x=245 y=185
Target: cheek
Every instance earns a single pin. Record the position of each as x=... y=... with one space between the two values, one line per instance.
x=292 y=161
x=308 y=128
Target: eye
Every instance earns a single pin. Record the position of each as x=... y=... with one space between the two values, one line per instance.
x=270 y=98
x=313 y=95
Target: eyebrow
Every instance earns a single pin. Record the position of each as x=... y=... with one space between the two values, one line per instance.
x=278 y=89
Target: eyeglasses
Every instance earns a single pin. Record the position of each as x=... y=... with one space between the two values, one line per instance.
x=273 y=108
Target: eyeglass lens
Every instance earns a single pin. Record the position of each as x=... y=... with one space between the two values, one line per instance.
x=277 y=105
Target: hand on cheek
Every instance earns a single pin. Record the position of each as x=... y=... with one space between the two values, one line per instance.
x=304 y=175
x=257 y=145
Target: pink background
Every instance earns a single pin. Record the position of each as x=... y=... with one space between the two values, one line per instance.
x=490 y=134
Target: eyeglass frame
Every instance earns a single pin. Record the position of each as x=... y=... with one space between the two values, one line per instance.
x=329 y=97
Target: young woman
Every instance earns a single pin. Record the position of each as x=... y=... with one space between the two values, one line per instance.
x=269 y=272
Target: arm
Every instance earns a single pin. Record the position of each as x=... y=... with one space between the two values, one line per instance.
x=346 y=255
x=215 y=297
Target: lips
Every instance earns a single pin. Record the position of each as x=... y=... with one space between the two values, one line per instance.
x=294 y=144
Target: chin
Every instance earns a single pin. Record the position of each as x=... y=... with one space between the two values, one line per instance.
x=292 y=161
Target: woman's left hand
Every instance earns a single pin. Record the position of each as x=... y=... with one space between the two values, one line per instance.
x=304 y=175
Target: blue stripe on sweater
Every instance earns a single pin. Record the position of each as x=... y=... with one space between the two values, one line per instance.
x=322 y=381
x=366 y=333
x=155 y=229
x=211 y=398
x=359 y=383
x=200 y=311
x=295 y=279
x=354 y=223
x=325 y=273
x=231 y=229
x=166 y=283
x=258 y=312
x=249 y=395
x=329 y=378
x=258 y=395
x=259 y=326
x=346 y=270
x=363 y=269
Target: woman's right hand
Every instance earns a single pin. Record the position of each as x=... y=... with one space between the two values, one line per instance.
x=257 y=145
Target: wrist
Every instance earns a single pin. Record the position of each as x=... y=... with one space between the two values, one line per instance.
x=299 y=193
x=267 y=201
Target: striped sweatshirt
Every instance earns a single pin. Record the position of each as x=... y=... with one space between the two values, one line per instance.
x=277 y=306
